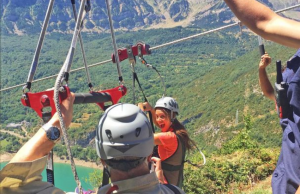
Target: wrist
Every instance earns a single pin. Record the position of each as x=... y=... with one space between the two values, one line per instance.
x=54 y=121
x=262 y=68
x=52 y=132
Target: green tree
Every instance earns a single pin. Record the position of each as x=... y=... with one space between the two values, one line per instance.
x=242 y=141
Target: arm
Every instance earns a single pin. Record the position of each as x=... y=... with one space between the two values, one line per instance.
x=158 y=170
x=264 y=81
x=156 y=139
x=266 y=23
x=39 y=145
x=146 y=106
x=298 y=190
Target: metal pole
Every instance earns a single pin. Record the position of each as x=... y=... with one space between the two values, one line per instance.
x=38 y=49
x=114 y=41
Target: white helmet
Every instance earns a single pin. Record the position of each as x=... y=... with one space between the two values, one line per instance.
x=168 y=103
x=124 y=130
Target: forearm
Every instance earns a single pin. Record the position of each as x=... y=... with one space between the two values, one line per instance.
x=266 y=23
x=38 y=146
x=283 y=31
x=298 y=190
x=265 y=84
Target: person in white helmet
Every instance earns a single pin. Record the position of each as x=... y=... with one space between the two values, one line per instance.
x=173 y=140
x=124 y=142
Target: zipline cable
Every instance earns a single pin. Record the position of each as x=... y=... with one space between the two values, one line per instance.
x=193 y=36
x=214 y=30
x=53 y=76
x=153 y=48
x=87 y=8
x=114 y=42
x=287 y=8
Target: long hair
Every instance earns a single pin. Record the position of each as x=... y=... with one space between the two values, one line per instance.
x=180 y=130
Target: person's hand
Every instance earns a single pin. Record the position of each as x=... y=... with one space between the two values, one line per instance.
x=265 y=61
x=158 y=170
x=66 y=108
x=145 y=106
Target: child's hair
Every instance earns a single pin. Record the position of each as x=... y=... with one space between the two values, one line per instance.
x=180 y=130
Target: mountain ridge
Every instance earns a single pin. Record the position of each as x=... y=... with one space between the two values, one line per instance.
x=24 y=17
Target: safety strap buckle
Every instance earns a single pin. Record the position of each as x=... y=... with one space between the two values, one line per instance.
x=130 y=55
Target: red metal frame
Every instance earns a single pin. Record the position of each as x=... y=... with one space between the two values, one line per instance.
x=145 y=50
x=115 y=93
x=40 y=100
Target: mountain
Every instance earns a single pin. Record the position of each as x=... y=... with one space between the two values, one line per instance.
x=20 y=17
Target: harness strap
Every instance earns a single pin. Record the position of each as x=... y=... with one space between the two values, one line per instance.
x=173 y=188
x=170 y=167
x=135 y=77
x=105 y=177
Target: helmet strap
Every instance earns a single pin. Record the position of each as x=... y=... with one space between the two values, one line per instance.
x=107 y=169
x=125 y=165
x=172 y=117
x=105 y=175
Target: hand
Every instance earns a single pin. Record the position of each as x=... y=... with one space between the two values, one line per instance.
x=265 y=61
x=145 y=106
x=66 y=108
x=158 y=170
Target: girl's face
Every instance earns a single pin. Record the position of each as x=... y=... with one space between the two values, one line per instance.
x=163 y=120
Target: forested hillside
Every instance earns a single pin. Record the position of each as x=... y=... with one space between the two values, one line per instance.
x=211 y=77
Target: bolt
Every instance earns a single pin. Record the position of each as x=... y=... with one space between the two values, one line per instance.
x=45 y=100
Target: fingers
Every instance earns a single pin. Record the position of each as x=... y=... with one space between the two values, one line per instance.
x=265 y=60
x=158 y=169
x=265 y=55
x=72 y=97
x=141 y=106
x=66 y=108
x=157 y=163
x=144 y=106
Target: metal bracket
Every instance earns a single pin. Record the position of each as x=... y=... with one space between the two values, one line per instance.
x=122 y=52
x=130 y=55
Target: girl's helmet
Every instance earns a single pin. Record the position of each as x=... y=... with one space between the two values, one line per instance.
x=124 y=130
x=168 y=103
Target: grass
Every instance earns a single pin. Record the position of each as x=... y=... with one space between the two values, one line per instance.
x=3 y=144
x=75 y=125
x=262 y=187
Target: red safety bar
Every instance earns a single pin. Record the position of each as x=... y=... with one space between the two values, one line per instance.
x=115 y=93
x=40 y=100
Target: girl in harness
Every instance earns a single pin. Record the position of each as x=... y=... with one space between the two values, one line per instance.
x=172 y=141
